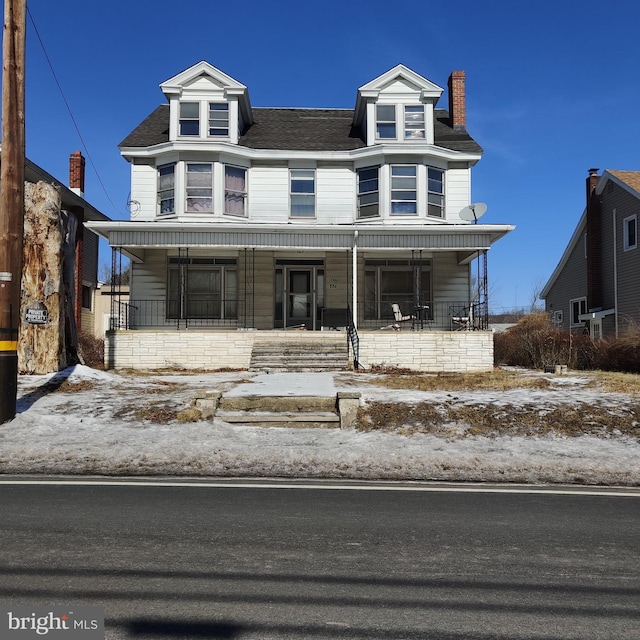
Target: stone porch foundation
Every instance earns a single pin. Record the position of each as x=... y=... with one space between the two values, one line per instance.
x=427 y=351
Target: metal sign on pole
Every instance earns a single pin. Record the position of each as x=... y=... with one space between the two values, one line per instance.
x=11 y=200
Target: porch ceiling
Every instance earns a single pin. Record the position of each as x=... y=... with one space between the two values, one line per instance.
x=460 y=238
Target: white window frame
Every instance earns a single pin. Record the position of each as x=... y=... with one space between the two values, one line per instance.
x=435 y=198
x=386 y=122
x=630 y=240
x=368 y=197
x=234 y=193
x=218 y=126
x=188 y=119
x=414 y=129
x=302 y=178
x=166 y=189
x=578 y=307
x=198 y=193
x=395 y=191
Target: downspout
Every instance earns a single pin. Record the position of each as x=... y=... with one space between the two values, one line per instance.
x=615 y=269
x=354 y=279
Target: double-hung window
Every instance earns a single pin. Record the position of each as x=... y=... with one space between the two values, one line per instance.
x=303 y=193
x=435 y=192
x=385 y=121
x=235 y=190
x=630 y=232
x=368 y=194
x=189 y=119
x=199 y=187
x=218 y=119
x=403 y=189
x=166 y=186
x=413 y=122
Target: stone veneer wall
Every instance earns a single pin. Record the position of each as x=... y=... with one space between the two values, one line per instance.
x=429 y=351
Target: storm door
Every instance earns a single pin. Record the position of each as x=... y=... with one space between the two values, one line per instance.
x=299 y=296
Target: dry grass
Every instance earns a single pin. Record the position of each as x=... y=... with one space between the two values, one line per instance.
x=496 y=380
x=613 y=382
x=498 y=420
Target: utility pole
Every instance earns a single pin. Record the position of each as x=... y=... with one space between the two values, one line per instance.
x=11 y=200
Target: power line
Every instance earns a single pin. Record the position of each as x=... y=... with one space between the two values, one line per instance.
x=75 y=124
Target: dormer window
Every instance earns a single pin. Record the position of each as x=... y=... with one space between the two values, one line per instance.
x=189 y=119
x=413 y=122
x=385 y=121
x=218 y=119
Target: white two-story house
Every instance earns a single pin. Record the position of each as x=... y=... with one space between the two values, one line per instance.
x=250 y=222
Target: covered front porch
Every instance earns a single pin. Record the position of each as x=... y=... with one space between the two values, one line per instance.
x=384 y=289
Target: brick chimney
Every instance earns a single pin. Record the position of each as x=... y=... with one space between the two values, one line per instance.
x=594 y=243
x=457 y=100
x=76 y=173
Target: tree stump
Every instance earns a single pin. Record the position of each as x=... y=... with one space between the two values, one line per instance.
x=42 y=345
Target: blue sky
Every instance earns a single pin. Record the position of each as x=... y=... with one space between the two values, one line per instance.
x=553 y=89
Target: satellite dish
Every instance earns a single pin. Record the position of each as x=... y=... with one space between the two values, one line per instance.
x=473 y=212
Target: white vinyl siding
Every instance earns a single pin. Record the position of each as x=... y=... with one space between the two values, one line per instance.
x=144 y=191
x=457 y=192
x=269 y=201
x=335 y=195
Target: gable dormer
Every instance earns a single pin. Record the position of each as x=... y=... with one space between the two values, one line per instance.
x=206 y=104
x=397 y=107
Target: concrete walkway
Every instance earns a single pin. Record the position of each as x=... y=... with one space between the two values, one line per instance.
x=286 y=384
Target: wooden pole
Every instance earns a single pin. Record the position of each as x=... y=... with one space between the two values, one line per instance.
x=11 y=200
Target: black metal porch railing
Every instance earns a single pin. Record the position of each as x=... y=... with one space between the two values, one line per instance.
x=440 y=315
x=157 y=314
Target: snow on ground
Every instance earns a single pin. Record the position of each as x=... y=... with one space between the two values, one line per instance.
x=89 y=426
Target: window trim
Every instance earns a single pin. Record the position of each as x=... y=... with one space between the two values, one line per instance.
x=380 y=121
x=360 y=194
x=393 y=200
x=581 y=309
x=224 y=130
x=172 y=190
x=228 y=307
x=243 y=194
x=431 y=193
x=310 y=195
x=407 y=130
x=188 y=119
x=628 y=246
x=187 y=197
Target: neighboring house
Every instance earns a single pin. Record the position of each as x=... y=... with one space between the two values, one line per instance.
x=86 y=242
x=103 y=298
x=270 y=219
x=594 y=288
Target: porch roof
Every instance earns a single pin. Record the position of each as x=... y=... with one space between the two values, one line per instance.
x=131 y=236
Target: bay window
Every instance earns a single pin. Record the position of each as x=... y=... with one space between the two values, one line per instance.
x=435 y=192
x=166 y=186
x=403 y=190
x=235 y=190
x=368 y=194
x=199 y=187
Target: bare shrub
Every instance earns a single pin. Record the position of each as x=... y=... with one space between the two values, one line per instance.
x=622 y=353
x=91 y=350
x=535 y=343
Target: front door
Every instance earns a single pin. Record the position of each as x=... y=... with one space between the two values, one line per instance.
x=300 y=302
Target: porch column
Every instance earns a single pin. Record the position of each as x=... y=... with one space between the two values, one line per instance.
x=354 y=280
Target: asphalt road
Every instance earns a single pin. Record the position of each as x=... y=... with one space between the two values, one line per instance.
x=244 y=562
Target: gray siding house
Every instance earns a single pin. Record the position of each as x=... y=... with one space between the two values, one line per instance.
x=594 y=289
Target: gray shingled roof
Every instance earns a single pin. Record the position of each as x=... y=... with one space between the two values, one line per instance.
x=298 y=130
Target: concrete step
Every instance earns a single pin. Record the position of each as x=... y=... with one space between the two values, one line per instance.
x=279 y=404
x=299 y=355
x=304 y=420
